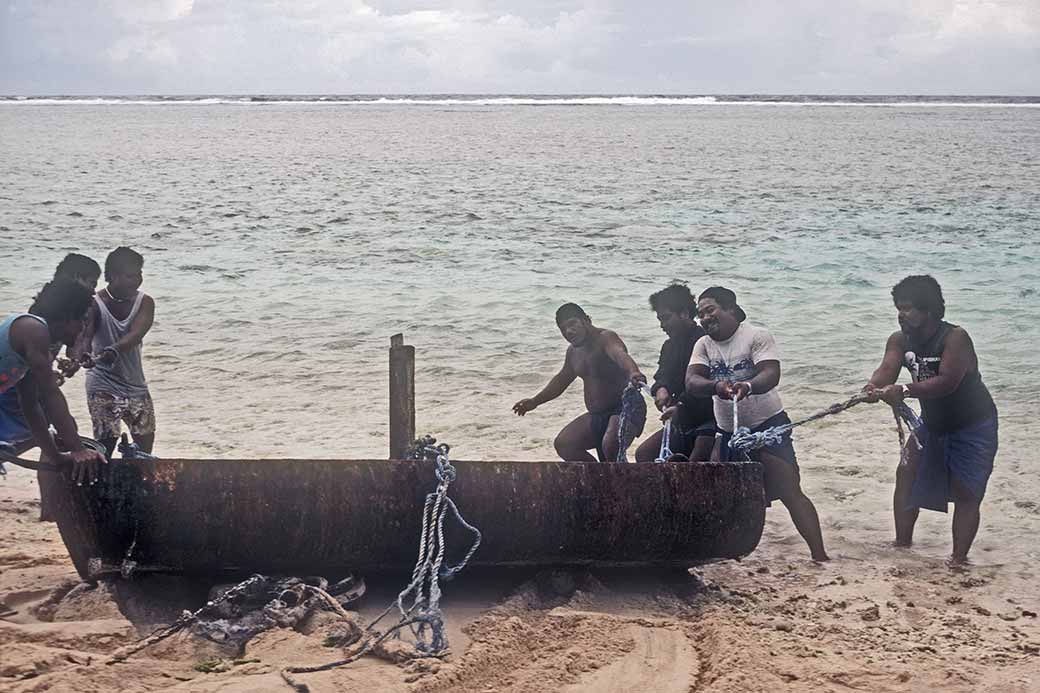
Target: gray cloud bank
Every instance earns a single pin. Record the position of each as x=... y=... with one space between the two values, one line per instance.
x=518 y=46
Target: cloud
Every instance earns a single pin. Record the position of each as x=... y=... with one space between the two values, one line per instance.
x=149 y=11
x=394 y=46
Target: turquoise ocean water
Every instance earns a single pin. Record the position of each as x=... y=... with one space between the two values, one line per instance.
x=286 y=241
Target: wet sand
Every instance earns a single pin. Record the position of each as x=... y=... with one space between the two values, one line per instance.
x=875 y=618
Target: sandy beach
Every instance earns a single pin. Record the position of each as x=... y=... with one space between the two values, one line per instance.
x=275 y=191
x=875 y=618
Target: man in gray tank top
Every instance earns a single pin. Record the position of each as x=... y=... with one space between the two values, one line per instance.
x=119 y=319
x=959 y=434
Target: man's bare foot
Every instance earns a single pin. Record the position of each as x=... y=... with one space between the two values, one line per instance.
x=821 y=558
x=903 y=543
x=958 y=563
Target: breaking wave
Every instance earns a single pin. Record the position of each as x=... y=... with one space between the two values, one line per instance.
x=540 y=100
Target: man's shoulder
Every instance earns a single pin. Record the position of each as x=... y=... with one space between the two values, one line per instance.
x=748 y=336
x=695 y=334
x=29 y=332
x=958 y=336
x=753 y=330
x=31 y=327
x=608 y=337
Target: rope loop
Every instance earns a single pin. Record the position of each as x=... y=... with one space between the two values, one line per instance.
x=419 y=602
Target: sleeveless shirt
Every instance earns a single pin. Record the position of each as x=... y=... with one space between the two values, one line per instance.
x=970 y=403
x=12 y=365
x=125 y=376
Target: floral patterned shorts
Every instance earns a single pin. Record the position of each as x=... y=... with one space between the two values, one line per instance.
x=108 y=413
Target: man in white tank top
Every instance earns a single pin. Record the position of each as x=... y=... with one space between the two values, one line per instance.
x=119 y=319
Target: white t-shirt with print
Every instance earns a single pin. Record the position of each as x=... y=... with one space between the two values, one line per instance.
x=734 y=360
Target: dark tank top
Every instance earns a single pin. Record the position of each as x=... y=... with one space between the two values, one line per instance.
x=970 y=403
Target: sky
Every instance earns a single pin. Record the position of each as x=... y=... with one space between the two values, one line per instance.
x=520 y=46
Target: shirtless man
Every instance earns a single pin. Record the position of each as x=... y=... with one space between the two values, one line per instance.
x=600 y=359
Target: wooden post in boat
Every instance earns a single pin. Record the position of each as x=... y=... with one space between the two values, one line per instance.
x=402 y=396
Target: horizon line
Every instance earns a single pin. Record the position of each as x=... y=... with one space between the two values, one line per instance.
x=520 y=94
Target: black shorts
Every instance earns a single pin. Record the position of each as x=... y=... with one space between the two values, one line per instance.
x=682 y=440
x=600 y=424
x=785 y=449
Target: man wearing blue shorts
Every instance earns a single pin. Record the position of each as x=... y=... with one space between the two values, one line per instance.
x=959 y=435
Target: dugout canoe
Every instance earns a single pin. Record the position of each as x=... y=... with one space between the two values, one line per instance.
x=334 y=517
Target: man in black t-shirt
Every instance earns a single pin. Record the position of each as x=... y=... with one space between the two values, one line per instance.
x=692 y=418
x=960 y=419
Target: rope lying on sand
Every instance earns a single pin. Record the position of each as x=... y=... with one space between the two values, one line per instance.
x=254 y=606
x=423 y=616
x=744 y=440
x=186 y=620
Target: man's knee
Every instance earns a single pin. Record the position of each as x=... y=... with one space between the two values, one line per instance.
x=905 y=474
x=790 y=493
x=646 y=452
x=703 y=447
x=964 y=497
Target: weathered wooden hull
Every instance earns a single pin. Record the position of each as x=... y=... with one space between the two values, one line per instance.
x=332 y=517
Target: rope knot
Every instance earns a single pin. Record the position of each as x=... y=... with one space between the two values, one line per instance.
x=446 y=474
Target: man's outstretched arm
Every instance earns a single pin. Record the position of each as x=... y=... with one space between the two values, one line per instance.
x=618 y=353
x=553 y=389
x=766 y=377
x=138 y=329
x=29 y=400
x=888 y=372
x=45 y=386
x=699 y=381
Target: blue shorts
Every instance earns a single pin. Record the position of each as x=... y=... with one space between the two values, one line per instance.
x=13 y=427
x=785 y=449
x=965 y=454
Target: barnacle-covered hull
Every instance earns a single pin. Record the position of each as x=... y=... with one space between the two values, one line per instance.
x=332 y=517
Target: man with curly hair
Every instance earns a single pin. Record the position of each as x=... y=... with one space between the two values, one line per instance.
x=959 y=435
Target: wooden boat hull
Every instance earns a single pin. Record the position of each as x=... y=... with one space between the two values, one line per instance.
x=333 y=517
